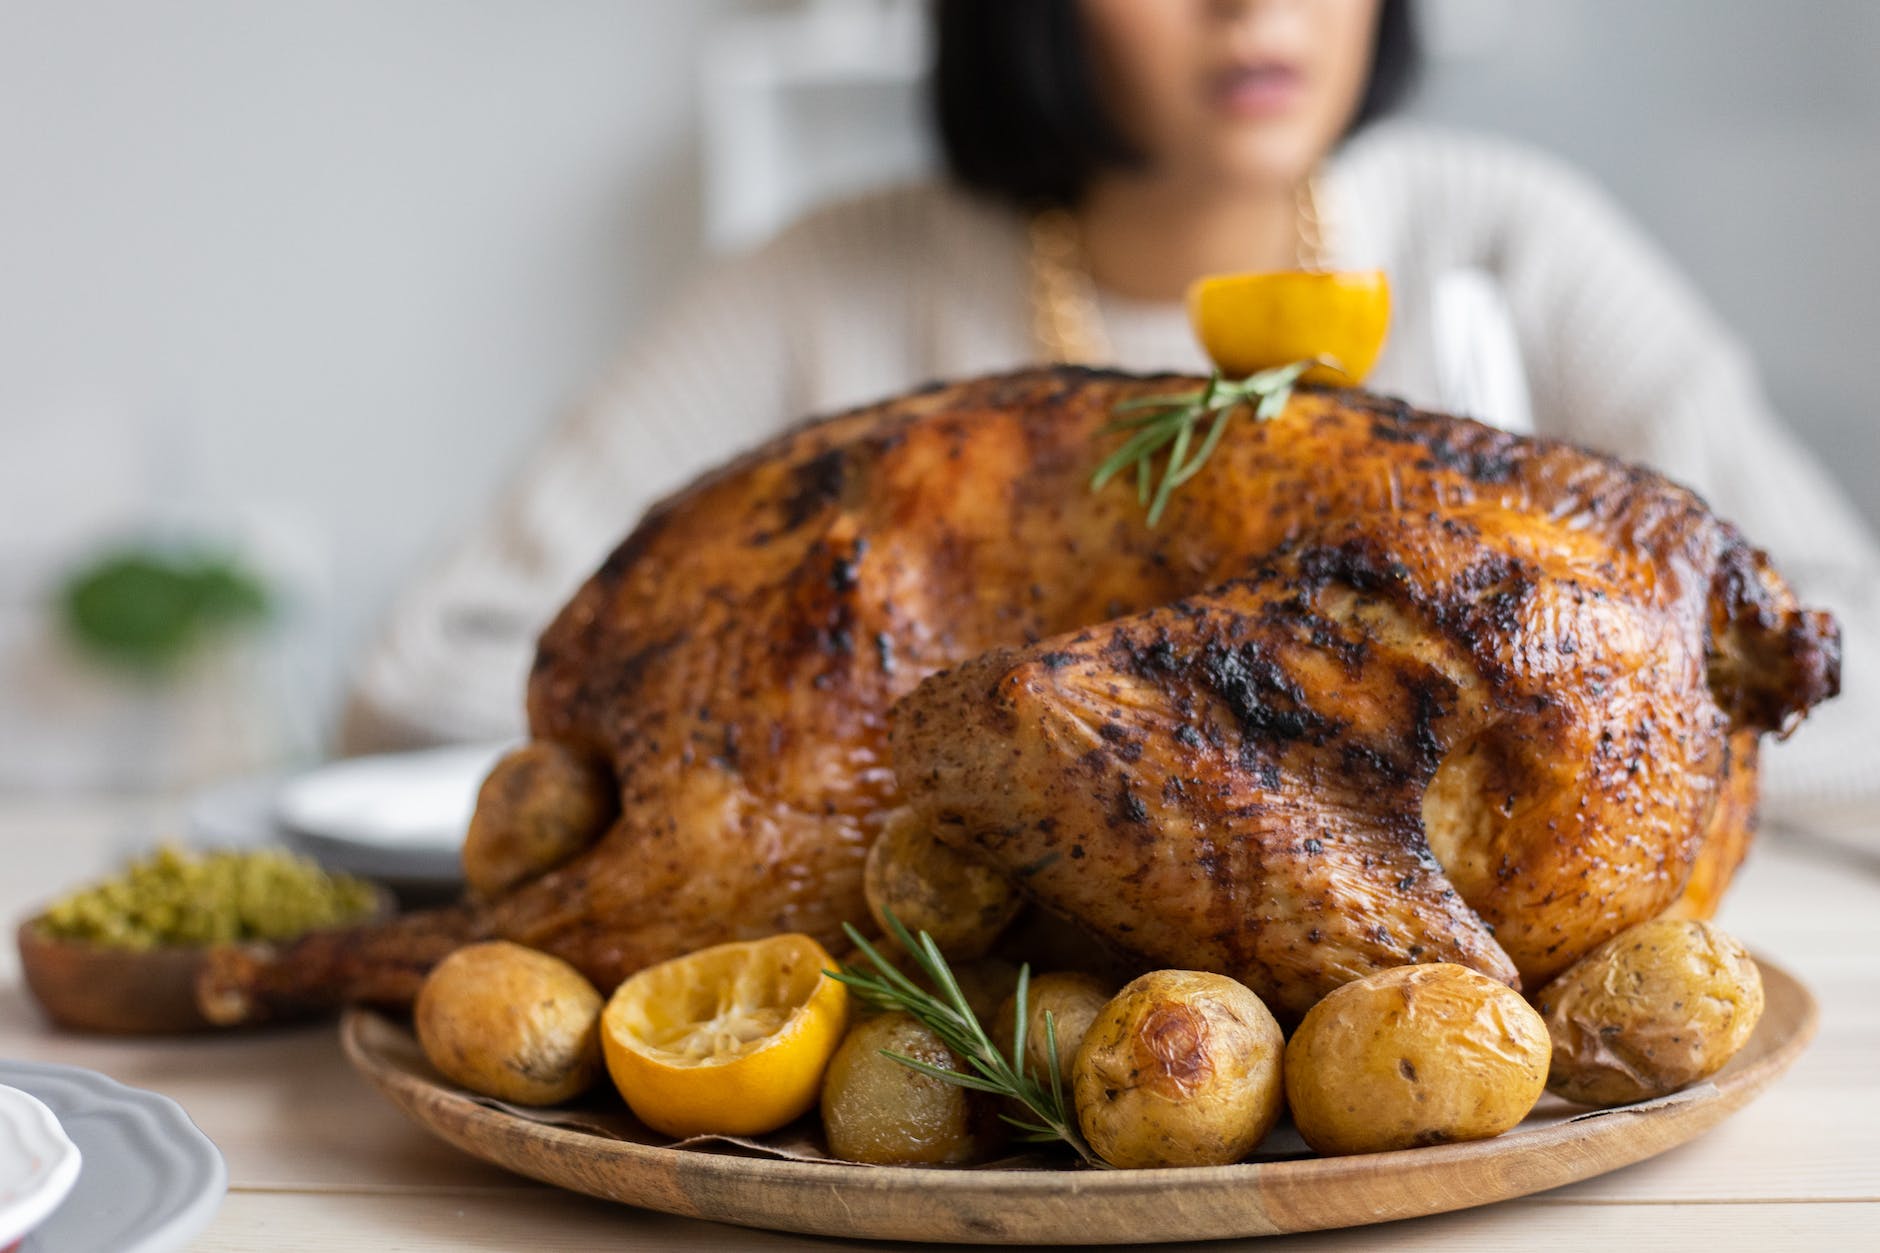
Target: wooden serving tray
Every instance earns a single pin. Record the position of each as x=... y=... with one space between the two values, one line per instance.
x=1080 y=1206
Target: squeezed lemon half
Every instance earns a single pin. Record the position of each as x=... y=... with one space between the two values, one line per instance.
x=730 y=1040
x=1253 y=322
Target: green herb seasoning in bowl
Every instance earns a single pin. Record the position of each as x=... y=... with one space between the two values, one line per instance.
x=122 y=955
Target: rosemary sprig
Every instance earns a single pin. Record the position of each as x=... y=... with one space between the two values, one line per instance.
x=950 y=1018
x=1170 y=421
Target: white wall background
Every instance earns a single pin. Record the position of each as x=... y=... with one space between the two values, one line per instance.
x=335 y=261
x=1745 y=135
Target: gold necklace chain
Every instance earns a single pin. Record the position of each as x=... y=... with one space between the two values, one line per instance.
x=1066 y=320
x=1313 y=247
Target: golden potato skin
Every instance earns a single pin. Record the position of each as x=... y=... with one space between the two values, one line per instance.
x=964 y=905
x=540 y=805
x=1072 y=998
x=1657 y=1007
x=511 y=1023
x=1181 y=1068
x=876 y=1110
x=1414 y=1055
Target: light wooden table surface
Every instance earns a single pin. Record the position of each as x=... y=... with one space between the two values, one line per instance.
x=317 y=1161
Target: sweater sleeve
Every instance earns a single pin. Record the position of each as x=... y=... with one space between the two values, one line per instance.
x=1623 y=356
x=715 y=374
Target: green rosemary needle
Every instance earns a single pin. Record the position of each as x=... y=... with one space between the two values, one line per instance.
x=949 y=1017
x=1170 y=421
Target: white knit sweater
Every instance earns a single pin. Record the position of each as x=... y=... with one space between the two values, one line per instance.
x=866 y=298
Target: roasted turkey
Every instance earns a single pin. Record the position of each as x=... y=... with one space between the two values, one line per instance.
x=1382 y=686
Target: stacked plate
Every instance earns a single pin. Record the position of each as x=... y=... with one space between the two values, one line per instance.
x=88 y=1165
x=38 y=1164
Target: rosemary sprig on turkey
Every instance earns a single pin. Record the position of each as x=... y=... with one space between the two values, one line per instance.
x=1170 y=421
x=949 y=1017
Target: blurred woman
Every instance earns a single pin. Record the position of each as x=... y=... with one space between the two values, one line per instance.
x=1102 y=154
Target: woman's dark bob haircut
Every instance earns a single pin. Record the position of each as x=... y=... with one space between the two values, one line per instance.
x=1017 y=105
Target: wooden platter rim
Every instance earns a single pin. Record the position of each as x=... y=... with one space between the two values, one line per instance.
x=1000 y=1206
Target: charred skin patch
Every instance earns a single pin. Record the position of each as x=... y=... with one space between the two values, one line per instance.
x=1169 y=1051
x=816 y=484
x=1478 y=454
x=823 y=591
x=1267 y=702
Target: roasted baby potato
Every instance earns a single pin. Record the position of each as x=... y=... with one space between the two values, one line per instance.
x=1656 y=1007
x=933 y=888
x=877 y=1110
x=540 y=805
x=1414 y=1055
x=1181 y=1068
x=1072 y=998
x=511 y=1023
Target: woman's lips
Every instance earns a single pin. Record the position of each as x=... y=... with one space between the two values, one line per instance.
x=1250 y=91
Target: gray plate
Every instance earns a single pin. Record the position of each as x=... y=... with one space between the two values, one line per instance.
x=150 y=1179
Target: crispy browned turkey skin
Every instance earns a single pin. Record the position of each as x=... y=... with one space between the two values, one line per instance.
x=1383 y=686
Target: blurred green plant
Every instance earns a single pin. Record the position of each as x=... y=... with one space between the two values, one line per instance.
x=149 y=608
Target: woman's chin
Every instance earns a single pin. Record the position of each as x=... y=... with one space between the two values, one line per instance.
x=1263 y=160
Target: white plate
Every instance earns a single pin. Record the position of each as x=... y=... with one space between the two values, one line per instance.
x=398 y=818
x=38 y=1163
x=399 y=801
x=150 y=1180
x=239 y=813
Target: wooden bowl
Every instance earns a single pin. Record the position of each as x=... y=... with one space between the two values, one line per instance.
x=94 y=987
x=120 y=991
